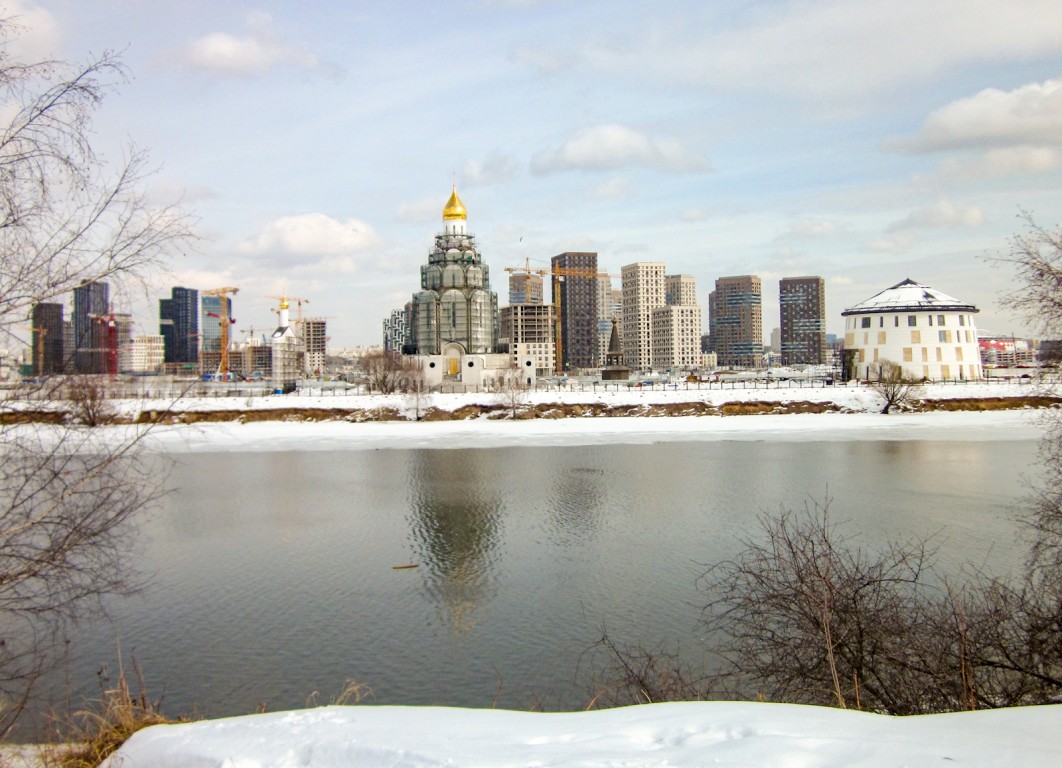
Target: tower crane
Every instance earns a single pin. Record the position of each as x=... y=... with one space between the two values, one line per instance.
x=111 y=343
x=225 y=321
x=299 y=301
x=526 y=269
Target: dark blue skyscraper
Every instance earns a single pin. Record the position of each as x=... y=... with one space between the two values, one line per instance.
x=179 y=325
x=91 y=305
x=47 y=339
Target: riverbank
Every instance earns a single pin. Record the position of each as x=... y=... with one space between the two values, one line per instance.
x=684 y=400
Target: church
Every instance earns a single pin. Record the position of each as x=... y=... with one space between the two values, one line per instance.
x=454 y=323
x=455 y=313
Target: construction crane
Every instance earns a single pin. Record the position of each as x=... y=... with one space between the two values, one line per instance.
x=299 y=301
x=526 y=269
x=111 y=344
x=558 y=274
x=225 y=321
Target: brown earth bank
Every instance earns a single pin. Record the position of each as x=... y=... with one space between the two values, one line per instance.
x=529 y=411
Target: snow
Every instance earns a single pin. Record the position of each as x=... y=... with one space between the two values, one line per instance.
x=489 y=433
x=862 y=420
x=853 y=397
x=691 y=734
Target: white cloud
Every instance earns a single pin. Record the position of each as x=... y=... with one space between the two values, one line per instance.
x=495 y=168
x=940 y=215
x=1029 y=115
x=824 y=48
x=34 y=32
x=612 y=146
x=249 y=55
x=312 y=237
x=1006 y=161
x=840 y=280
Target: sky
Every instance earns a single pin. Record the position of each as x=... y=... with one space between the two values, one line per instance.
x=316 y=143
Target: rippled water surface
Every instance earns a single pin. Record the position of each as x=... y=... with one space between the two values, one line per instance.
x=274 y=577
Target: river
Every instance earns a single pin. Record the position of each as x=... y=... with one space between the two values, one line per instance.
x=273 y=576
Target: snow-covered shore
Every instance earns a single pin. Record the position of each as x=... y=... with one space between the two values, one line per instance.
x=857 y=419
x=489 y=433
x=853 y=397
x=676 y=734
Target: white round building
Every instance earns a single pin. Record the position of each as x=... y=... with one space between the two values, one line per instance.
x=930 y=334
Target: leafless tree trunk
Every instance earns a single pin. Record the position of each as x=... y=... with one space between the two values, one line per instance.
x=513 y=389
x=894 y=385
x=69 y=493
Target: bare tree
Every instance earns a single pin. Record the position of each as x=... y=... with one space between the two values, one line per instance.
x=805 y=615
x=89 y=402
x=512 y=388
x=68 y=494
x=1036 y=257
x=414 y=383
x=894 y=385
x=388 y=372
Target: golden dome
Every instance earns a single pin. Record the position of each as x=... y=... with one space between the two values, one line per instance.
x=454 y=209
x=283 y=302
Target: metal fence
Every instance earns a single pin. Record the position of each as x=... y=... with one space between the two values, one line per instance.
x=175 y=391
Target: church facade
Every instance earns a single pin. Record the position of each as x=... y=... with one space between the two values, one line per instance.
x=455 y=313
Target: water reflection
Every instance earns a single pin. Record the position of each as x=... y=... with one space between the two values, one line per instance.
x=577 y=502
x=455 y=524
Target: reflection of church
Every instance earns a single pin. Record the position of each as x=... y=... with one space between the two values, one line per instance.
x=455 y=314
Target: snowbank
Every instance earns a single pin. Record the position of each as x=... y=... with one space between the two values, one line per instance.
x=486 y=433
x=677 y=734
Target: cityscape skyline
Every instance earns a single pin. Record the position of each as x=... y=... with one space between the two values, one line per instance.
x=863 y=143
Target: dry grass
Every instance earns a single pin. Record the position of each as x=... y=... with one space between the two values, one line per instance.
x=98 y=732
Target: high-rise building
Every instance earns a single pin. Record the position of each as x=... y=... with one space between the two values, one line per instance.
x=455 y=313
x=147 y=354
x=802 y=306
x=680 y=290
x=122 y=357
x=210 y=334
x=396 y=329
x=525 y=288
x=91 y=337
x=643 y=291
x=575 y=286
x=735 y=320
x=529 y=330
x=47 y=339
x=676 y=333
x=179 y=326
x=315 y=344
